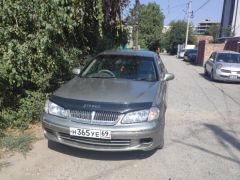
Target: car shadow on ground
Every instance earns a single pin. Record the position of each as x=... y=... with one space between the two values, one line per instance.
x=192 y=63
x=99 y=155
x=204 y=76
x=223 y=138
x=219 y=82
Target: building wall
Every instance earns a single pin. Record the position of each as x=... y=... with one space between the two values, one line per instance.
x=209 y=48
x=233 y=44
x=202 y=27
x=205 y=50
x=208 y=39
x=236 y=19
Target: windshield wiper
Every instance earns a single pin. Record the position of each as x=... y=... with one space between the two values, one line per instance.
x=143 y=79
x=99 y=77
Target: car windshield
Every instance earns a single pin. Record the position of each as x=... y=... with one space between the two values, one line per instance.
x=121 y=67
x=228 y=58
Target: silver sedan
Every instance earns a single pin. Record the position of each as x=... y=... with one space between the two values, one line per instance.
x=117 y=103
x=223 y=66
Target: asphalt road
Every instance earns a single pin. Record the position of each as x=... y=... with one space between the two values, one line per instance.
x=202 y=140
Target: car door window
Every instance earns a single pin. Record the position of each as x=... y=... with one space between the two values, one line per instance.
x=162 y=70
x=213 y=56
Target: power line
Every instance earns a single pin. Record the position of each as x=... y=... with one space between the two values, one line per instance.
x=204 y=4
x=176 y=6
x=173 y=7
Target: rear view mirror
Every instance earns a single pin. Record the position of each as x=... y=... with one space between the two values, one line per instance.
x=76 y=71
x=168 y=77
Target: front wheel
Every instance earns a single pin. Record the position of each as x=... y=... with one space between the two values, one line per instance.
x=205 y=71
x=161 y=143
x=212 y=76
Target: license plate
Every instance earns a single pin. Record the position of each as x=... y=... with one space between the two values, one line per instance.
x=233 y=77
x=90 y=133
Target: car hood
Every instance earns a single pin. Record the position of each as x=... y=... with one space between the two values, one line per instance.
x=109 y=90
x=231 y=66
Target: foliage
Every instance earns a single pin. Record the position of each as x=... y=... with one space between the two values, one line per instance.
x=228 y=31
x=213 y=31
x=41 y=41
x=19 y=143
x=29 y=110
x=149 y=19
x=176 y=35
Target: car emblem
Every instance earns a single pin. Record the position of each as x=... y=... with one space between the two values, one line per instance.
x=93 y=106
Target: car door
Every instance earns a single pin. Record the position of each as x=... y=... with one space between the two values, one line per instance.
x=210 y=62
x=186 y=55
x=163 y=87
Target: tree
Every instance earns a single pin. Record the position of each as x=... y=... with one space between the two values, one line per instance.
x=228 y=31
x=213 y=31
x=176 y=35
x=41 y=41
x=149 y=24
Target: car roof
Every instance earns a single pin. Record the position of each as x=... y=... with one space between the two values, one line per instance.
x=142 y=53
x=226 y=51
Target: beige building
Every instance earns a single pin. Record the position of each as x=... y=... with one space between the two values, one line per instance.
x=203 y=26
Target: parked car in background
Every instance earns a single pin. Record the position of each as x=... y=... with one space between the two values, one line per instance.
x=181 y=49
x=181 y=54
x=190 y=55
x=116 y=103
x=223 y=66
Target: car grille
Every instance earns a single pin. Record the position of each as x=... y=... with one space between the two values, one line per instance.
x=95 y=142
x=95 y=117
x=225 y=71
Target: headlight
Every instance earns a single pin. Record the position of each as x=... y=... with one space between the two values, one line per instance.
x=141 y=116
x=54 y=109
x=219 y=66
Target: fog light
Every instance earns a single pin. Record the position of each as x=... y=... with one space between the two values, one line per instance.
x=58 y=137
x=146 y=140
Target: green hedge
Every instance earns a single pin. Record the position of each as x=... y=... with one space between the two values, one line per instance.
x=40 y=42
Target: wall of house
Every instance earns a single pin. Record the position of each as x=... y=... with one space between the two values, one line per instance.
x=205 y=50
x=208 y=39
x=232 y=44
x=209 y=48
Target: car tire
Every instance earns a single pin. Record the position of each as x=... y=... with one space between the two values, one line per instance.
x=161 y=145
x=205 y=71
x=212 y=76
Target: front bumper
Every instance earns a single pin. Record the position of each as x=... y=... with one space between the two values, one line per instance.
x=227 y=77
x=140 y=136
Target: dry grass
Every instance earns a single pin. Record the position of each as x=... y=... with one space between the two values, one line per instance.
x=16 y=142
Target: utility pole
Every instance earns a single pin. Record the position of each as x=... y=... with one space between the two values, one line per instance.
x=189 y=13
x=136 y=22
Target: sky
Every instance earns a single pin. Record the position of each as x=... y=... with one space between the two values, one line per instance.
x=176 y=9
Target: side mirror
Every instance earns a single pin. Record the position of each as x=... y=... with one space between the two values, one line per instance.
x=76 y=71
x=168 y=77
x=211 y=59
